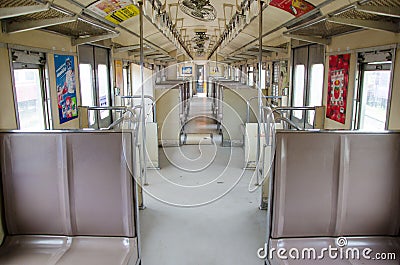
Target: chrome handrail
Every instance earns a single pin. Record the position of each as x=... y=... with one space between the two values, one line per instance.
x=291 y=123
x=248 y=102
x=280 y=110
x=111 y=108
x=153 y=100
x=294 y=108
x=268 y=126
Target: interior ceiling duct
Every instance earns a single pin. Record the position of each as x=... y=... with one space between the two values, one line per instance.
x=325 y=29
x=198 y=9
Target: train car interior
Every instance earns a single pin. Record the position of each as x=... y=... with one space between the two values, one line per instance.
x=186 y=132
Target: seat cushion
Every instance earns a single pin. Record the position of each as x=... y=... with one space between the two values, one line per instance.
x=55 y=250
x=101 y=251
x=33 y=250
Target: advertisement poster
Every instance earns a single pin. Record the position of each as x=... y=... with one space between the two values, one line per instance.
x=294 y=7
x=115 y=11
x=66 y=87
x=187 y=70
x=338 y=81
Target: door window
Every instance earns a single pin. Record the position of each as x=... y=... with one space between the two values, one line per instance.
x=250 y=76
x=95 y=83
x=316 y=86
x=87 y=96
x=308 y=82
x=125 y=76
x=104 y=88
x=298 y=90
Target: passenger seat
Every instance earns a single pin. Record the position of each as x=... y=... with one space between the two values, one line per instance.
x=69 y=199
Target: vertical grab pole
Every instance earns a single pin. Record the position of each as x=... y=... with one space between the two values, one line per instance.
x=260 y=105
x=143 y=116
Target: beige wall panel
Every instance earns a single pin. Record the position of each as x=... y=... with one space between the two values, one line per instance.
x=39 y=39
x=349 y=44
x=7 y=108
x=362 y=39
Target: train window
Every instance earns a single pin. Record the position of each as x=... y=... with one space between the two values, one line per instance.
x=31 y=93
x=316 y=85
x=104 y=88
x=298 y=89
x=29 y=99
x=250 y=76
x=263 y=76
x=373 y=93
x=87 y=97
x=125 y=76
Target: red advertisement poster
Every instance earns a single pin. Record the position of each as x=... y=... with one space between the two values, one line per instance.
x=338 y=82
x=294 y=7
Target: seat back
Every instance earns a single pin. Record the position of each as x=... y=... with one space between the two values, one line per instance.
x=34 y=184
x=68 y=183
x=329 y=184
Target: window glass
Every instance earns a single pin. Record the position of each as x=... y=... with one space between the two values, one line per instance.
x=316 y=88
x=263 y=72
x=298 y=89
x=250 y=76
x=29 y=99
x=86 y=78
x=103 y=89
x=125 y=77
x=375 y=93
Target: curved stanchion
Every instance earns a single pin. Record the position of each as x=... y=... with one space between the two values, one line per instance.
x=290 y=122
x=254 y=98
x=268 y=135
x=153 y=104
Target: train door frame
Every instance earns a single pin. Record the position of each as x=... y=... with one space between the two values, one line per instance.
x=372 y=64
x=197 y=76
x=33 y=60
x=95 y=56
x=308 y=60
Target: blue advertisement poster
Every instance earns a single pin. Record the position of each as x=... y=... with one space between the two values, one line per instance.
x=187 y=70
x=66 y=87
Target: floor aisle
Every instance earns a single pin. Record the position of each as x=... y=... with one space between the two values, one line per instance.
x=228 y=231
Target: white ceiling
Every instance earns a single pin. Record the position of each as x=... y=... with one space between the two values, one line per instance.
x=272 y=19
